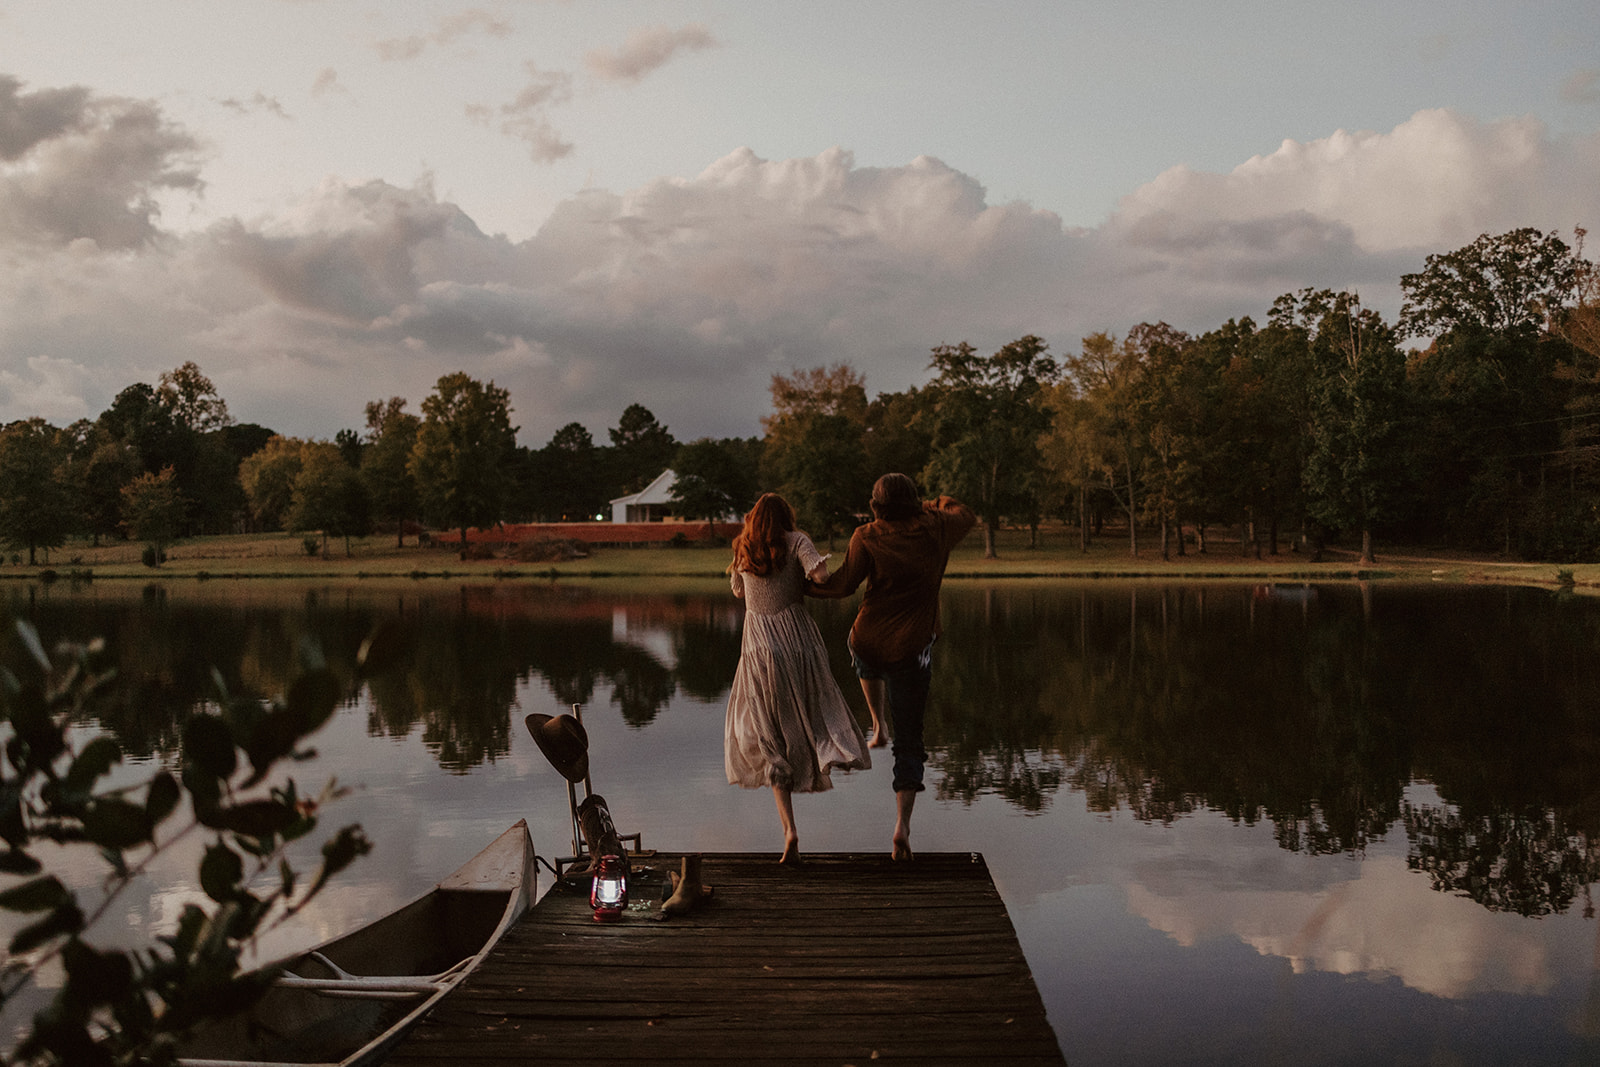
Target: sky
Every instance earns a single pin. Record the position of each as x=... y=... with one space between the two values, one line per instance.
x=596 y=203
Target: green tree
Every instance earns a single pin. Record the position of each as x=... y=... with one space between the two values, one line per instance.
x=329 y=496
x=1505 y=413
x=154 y=509
x=267 y=477
x=385 y=464
x=37 y=506
x=989 y=415
x=101 y=466
x=715 y=479
x=1511 y=282
x=1357 y=466
x=899 y=432
x=815 y=445
x=641 y=448
x=569 y=473
x=463 y=453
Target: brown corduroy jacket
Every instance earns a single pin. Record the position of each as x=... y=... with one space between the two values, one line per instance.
x=902 y=561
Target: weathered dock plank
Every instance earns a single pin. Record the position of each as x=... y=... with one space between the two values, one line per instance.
x=848 y=959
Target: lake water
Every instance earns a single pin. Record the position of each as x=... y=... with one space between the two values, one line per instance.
x=1326 y=824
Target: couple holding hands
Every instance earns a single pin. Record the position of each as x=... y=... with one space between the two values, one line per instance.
x=788 y=724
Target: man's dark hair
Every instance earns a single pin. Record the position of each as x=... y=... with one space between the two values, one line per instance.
x=894 y=496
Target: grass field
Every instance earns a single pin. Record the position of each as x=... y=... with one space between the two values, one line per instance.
x=1056 y=554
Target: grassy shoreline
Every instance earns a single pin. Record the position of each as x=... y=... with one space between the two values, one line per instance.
x=1055 y=554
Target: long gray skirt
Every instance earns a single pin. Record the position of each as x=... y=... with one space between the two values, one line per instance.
x=788 y=724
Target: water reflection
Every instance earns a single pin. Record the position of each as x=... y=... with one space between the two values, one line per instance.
x=1385 y=782
x=1312 y=709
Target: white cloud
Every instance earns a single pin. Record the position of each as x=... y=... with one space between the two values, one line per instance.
x=76 y=165
x=647 y=49
x=49 y=388
x=687 y=294
x=1581 y=87
x=1385 y=921
x=1425 y=184
x=527 y=116
x=450 y=28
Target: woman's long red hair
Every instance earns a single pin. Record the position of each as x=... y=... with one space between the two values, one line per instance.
x=760 y=547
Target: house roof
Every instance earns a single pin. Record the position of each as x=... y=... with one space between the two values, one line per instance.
x=659 y=491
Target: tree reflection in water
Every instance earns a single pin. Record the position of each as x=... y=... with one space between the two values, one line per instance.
x=1312 y=709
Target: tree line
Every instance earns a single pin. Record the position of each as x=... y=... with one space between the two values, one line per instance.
x=1318 y=425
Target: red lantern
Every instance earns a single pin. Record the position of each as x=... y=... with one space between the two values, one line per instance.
x=609 y=898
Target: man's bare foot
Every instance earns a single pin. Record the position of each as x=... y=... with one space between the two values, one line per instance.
x=902 y=849
x=791 y=853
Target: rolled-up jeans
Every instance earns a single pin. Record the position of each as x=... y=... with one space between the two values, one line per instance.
x=906 y=688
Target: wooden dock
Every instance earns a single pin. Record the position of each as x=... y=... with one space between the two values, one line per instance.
x=848 y=959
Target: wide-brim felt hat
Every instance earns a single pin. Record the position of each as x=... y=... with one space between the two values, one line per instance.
x=564 y=742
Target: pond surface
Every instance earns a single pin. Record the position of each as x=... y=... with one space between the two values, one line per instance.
x=1327 y=824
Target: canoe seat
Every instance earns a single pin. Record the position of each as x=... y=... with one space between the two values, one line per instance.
x=375 y=986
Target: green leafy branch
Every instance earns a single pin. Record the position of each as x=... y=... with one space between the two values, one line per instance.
x=116 y=1007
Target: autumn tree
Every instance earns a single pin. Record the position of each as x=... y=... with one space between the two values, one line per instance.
x=153 y=510
x=267 y=477
x=1108 y=374
x=1069 y=451
x=815 y=454
x=329 y=496
x=463 y=451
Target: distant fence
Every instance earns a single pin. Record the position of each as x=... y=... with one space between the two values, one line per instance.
x=597 y=534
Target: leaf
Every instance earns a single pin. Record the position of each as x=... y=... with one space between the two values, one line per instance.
x=30 y=718
x=221 y=870
x=31 y=642
x=255 y=818
x=12 y=827
x=112 y=822
x=161 y=799
x=64 y=920
x=16 y=861
x=96 y=759
x=384 y=647
x=338 y=853
x=96 y=977
x=312 y=699
x=208 y=744
x=41 y=894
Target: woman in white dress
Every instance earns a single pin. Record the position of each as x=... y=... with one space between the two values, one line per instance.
x=788 y=725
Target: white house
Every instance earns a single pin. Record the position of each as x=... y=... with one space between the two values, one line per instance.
x=653 y=503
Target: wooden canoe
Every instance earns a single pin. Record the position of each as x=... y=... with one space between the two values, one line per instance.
x=347 y=1001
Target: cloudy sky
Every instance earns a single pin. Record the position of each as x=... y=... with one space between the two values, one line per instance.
x=597 y=203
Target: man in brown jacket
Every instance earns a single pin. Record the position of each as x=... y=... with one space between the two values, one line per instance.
x=901 y=555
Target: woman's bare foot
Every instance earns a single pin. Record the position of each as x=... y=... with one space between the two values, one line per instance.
x=878 y=739
x=902 y=849
x=791 y=853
